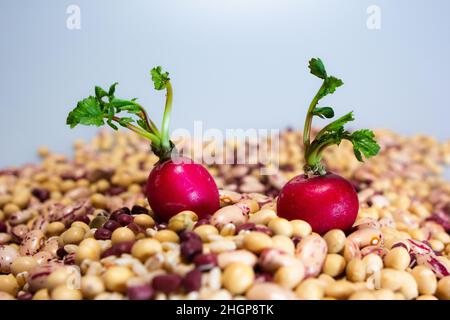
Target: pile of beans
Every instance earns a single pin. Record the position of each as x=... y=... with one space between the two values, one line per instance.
x=81 y=228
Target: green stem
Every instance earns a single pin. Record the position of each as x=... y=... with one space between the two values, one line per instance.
x=151 y=125
x=308 y=121
x=165 y=140
x=147 y=135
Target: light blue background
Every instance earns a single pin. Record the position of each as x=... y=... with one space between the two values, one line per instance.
x=234 y=63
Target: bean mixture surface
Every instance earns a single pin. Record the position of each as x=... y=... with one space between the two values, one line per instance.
x=81 y=228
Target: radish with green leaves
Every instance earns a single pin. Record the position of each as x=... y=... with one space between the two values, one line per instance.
x=176 y=183
x=323 y=199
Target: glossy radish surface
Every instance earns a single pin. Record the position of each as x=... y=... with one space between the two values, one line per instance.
x=175 y=186
x=325 y=202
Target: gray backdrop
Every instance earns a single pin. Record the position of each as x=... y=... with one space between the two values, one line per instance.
x=234 y=63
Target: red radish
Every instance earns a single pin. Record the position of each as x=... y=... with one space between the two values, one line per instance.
x=325 y=200
x=175 y=184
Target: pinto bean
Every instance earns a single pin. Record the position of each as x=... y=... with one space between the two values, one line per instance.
x=7 y=256
x=243 y=256
x=37 y=276
x=20 y=217
x=32 y=243
x=271 y=260
x=229 y=214
x=312 y=251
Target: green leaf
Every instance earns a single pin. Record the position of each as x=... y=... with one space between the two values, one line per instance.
x=159 y=78
x=329 y=86
x=339 y=123
x=87 y=112
x=364 y=144
x=112 y=90
x=317 y=68
x=324 y=112
x=141 y=123
x=112 y=125
x=125 y=121
x=100 y=93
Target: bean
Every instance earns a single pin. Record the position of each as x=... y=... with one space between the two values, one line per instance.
x=397 y=258
x=55 y=228
x=409 y=287
x=204 y=231
x=183 y=220
x=391 y=279
x=7 y=256
x=300 y=228
x=140 y=292
x=98 y=201
x=167 y=236
x=91 y=286
x=281 y=226
x=20 y=217
x=243 y=256
x=373 y=263
x=6 y=296
x=103 y=234
x=269 y=291
x=115 y=278
x=144 y=220
x=310 y=289
x=312 y=251
x=21 y=197
x=73 y=235
x=205 y=262
x=98 y=222
x=32 y=242
x=5 y=238
x=340 y=289
x=248 y=205
x=81 y=224
x=437 y=245
x=8 y=284
x=257 y=241
x=37 y=276
x=426 y=280
x=222 y=246
x=229 y=214
x=59 y=277
x=289 y=276
x=334 y=264
x=145 y=248
x=356 y=270
x=167 y=283
x=89 y=249
x=229 y=230
x=335 y=240
x=384 y=294
x=238 y=277
x=443 y=288
x=283 y=243
x=64 y=293
x=263 y=217
x=10 y=208
x=22 y=264
x=192 y=281
x=41 y=294
x=271 y=259
x=122 y=234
